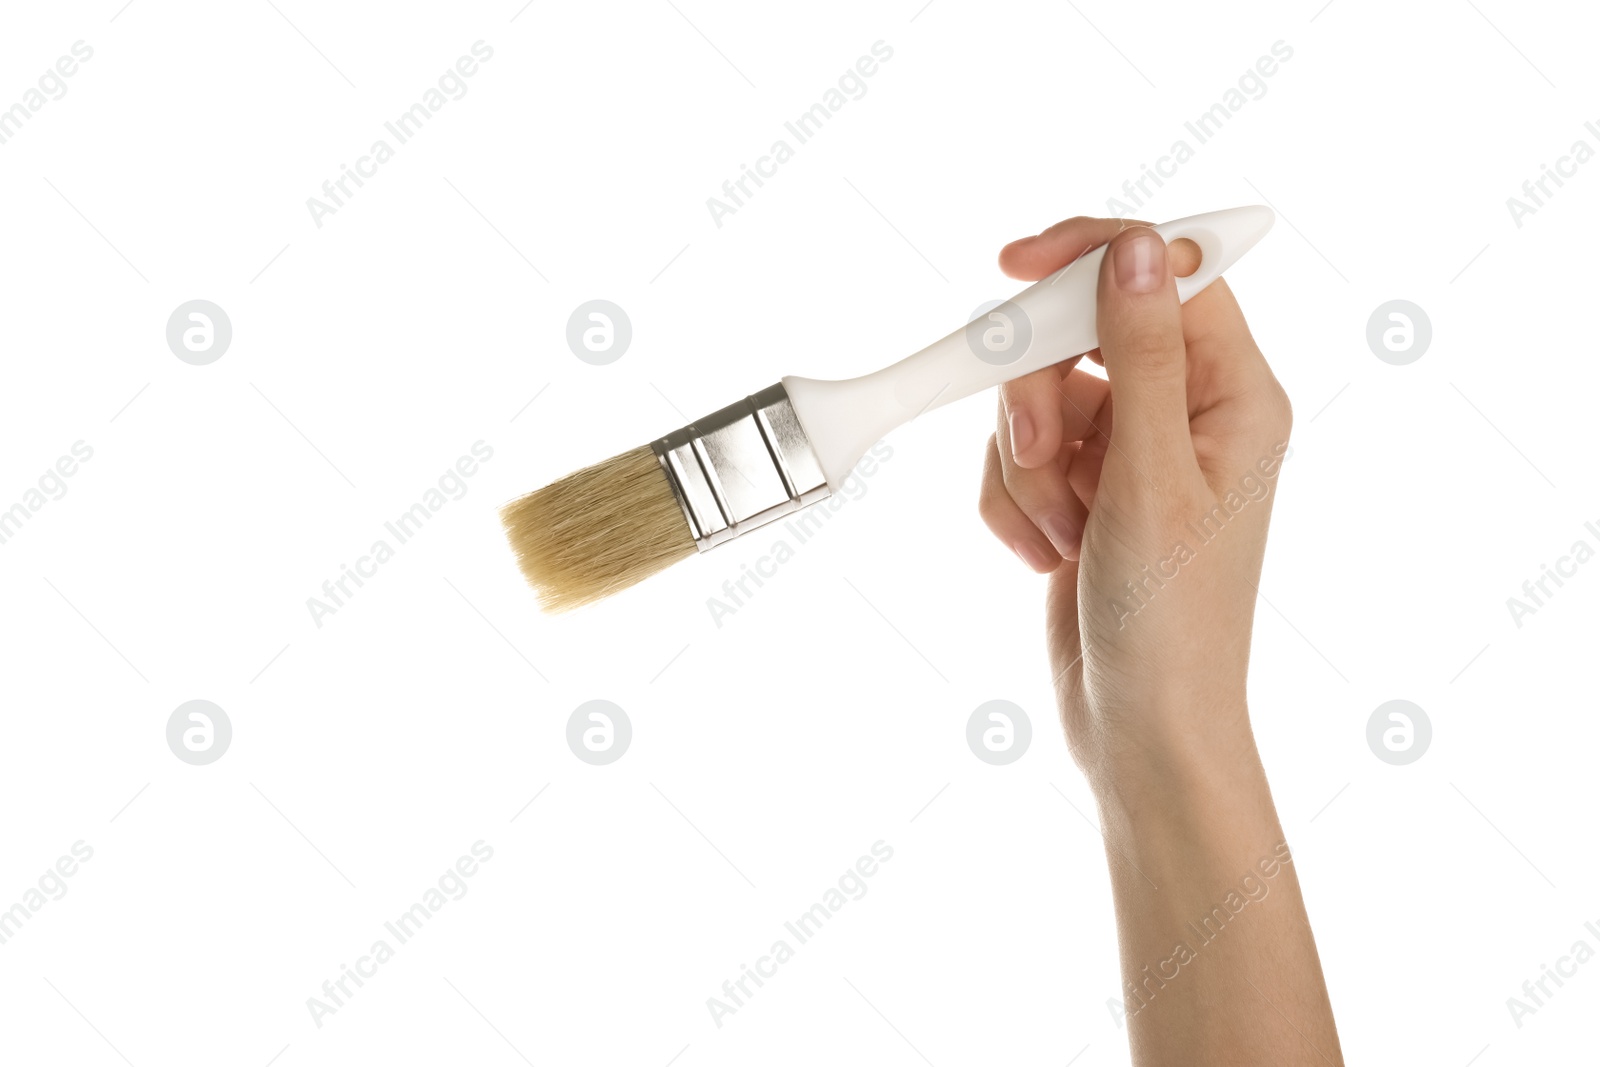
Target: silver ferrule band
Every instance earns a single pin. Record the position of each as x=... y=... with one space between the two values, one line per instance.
x=741 y=467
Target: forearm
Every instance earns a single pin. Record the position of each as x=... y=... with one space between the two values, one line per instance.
x=1218 y=961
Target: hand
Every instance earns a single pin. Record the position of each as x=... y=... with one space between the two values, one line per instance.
x=1146 y=500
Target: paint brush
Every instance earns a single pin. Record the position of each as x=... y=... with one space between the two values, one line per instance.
x=610 y=526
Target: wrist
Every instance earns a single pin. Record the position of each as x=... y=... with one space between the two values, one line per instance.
x=1177 y=764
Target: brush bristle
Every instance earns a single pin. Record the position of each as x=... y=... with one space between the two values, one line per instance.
x=598 y=530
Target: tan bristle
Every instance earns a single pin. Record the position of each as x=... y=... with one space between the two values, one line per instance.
x=598 y=530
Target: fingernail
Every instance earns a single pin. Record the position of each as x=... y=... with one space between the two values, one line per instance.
x=1062 y=534
x=1033 y=557
x=1141 y=263
x=1021 y=431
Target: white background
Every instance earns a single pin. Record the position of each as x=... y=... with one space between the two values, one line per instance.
x=829 y=711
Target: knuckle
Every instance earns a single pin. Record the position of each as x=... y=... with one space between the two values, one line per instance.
x=1277 y=410
x=996 y=515
x=1032 y=386
x=991 y=488
x=1145 y=345
x=1152 y=516
x=1010 y=395
x=1178 y=508
x=987 y=505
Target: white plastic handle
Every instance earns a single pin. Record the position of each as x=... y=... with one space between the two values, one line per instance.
x=1051 y=320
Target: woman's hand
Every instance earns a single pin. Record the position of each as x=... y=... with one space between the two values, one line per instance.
x=1146 y=499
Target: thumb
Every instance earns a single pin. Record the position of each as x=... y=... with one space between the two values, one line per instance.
x=1141 y=340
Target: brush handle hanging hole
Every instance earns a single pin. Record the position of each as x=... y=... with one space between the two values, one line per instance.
x=1185 y=257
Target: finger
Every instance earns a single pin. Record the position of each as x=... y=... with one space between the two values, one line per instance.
x=1141 y=337
x=1064 y=635
x=1031 y=258
x=1185 y=257
x=1046 y=500
x=1007 y=522
x=1215 y=330
x=1222 y=357
x=1236 y=404
x=1030 y=407
x=1044 y=409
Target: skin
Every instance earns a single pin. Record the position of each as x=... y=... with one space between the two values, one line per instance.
x=1092 y=482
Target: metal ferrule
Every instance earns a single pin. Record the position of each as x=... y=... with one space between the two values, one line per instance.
x=741 y=467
